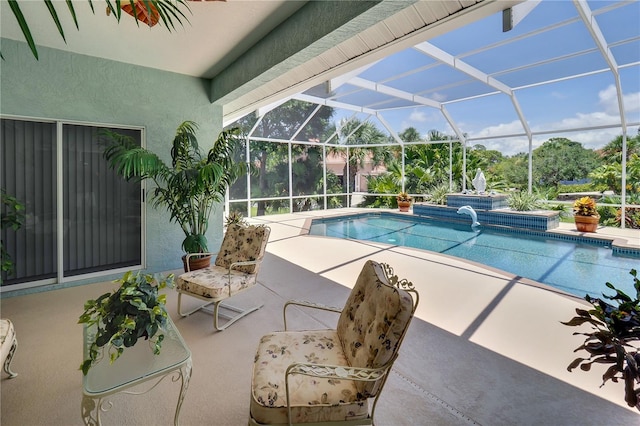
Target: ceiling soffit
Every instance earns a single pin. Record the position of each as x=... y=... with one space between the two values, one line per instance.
x=416 y=22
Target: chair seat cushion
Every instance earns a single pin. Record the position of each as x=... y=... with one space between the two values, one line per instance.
x=214 y=282
x=312 y=399
x=7 y=337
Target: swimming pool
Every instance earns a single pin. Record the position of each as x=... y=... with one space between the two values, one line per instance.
x=577 y=267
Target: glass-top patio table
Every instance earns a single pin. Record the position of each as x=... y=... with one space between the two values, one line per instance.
x=136 y=365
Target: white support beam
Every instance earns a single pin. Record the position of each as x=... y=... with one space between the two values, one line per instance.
x=334 y=83
x=592 y=26
x=476 y=74
x=335 y=104
x=260 y=112
x=594 y=29
x=442 y=56
x=302 y=126
x=512 y=16
x=397 y=93
x=389 y=128
x=453 y=125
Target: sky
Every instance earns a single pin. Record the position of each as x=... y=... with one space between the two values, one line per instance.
x=548 y=99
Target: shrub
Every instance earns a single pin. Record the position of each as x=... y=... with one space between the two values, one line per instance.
x=439 y=194
x=523 y=201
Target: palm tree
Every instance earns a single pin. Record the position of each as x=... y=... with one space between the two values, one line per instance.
x=193 y=182
x=166 y=11
x=356 y=132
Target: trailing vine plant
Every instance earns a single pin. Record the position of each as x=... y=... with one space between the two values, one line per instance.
x=117 y=320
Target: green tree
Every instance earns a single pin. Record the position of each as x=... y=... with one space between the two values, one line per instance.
x=562 y=159
x=282 y=123
x=410 y=134
x=513 y=171
x=610 y=173
x=429 y=165
x=356 y=132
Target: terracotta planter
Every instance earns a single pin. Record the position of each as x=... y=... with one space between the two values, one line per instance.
x=404 y=205
x=587 y=223
x=196 y=262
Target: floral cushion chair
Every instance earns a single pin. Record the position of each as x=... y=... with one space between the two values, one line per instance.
x=333 y=375
x=8 y=345
x=234 y=270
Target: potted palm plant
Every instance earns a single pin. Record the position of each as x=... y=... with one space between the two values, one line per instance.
x=404 y=201
x=585 y=214
x=189 y=186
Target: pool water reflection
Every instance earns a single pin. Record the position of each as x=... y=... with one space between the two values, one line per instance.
x=576 y=267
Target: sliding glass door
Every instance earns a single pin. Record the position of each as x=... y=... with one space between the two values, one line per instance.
x=80 y=217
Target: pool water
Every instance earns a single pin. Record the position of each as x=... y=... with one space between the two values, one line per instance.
x=575 y=267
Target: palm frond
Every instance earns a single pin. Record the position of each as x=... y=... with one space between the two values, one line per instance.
x=130 y=160
x=17 y=12
x=169 y=11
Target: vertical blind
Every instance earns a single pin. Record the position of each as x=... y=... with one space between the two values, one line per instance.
x=101 y=223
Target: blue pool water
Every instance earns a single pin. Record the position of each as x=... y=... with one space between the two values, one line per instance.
x=576 y=267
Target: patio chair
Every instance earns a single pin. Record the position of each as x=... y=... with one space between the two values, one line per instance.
x=8 y=345
x=235 y=270
x=333 y=375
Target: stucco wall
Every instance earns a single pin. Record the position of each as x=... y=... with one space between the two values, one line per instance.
x=66 y=86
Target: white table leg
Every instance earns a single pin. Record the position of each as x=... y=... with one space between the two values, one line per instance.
x=185 y=375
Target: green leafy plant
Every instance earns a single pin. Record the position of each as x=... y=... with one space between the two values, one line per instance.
x=612 y=215
x=12 y=217
x=167 y=10
x=585 y=206
x=189 y=187
x=614 y=339
x=524 y=201
x=439 y=194
x=135 y=310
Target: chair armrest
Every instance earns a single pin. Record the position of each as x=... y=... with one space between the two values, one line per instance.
x=244 y=263
x=190 y=255
x=306 y=304
x=339 y=372
x=342 y=372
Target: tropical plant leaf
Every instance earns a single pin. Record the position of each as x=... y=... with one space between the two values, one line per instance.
x=72 y=11
x=168 y=10
x=56 y=20
x=24 y=27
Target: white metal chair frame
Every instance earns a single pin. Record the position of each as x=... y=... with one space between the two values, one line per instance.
x=217 y=302
x=12 y=350
x=341 y=372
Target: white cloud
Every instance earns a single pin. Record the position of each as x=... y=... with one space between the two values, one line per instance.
x=631 y=102
x=609 y=100
x=500 y=129
x=418 y=116
x=438 y=97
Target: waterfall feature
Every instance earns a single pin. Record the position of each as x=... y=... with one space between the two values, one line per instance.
x=471 y=212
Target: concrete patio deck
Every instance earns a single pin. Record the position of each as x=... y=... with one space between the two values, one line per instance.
x=480 y=324
x=486 y=348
